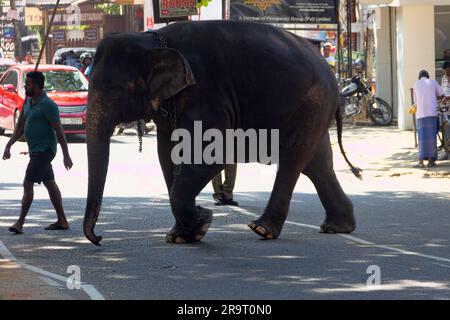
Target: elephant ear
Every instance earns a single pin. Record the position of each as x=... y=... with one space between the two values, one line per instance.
x=170 y=74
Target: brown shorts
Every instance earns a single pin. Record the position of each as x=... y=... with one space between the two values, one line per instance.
x=40 y=167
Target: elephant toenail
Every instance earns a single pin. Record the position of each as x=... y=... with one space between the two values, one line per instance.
x=261 y=230
x=180 y=240
x=205 y=227
x=198 y=237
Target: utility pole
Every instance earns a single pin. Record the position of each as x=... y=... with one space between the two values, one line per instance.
x=17 y=34
x=349 y=38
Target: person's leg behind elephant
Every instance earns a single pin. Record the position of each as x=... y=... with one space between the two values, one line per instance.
x=223 y=192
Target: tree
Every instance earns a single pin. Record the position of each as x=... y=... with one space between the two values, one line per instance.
x=18 y=35
x=202 y=3
x=109 y=8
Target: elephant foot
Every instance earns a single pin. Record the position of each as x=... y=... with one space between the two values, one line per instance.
x=265 y=229
x=178 y=235
x=334 y=227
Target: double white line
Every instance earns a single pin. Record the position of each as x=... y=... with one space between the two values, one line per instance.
x=89 y=289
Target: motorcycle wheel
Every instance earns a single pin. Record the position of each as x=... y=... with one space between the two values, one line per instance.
x=381 y=113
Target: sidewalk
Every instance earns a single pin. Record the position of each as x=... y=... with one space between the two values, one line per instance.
x=383 y=152
x=17 y=283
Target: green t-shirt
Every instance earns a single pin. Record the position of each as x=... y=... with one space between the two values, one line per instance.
x=39 y=133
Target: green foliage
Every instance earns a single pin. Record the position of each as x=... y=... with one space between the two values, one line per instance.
x=109 y=8
x=202 y=3
x=36 y=30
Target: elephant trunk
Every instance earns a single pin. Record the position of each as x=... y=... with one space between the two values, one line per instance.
x=98 y=134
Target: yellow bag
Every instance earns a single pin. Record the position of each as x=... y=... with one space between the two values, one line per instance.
x=412 y=109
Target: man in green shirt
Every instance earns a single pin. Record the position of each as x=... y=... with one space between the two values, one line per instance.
x=39 y=120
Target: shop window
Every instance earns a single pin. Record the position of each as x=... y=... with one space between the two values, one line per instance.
x=442 y=37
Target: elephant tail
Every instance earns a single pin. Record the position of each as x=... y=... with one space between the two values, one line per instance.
x=356 y=171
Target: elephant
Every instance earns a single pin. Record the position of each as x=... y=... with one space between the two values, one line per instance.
x=228 y=75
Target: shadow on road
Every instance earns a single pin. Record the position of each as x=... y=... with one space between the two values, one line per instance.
x=232 y=262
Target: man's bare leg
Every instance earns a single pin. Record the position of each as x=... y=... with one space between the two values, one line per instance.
x=27 y=199
x=55 y=197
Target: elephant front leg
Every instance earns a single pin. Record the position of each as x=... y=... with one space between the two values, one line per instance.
x=192 y=222
x=338 y=207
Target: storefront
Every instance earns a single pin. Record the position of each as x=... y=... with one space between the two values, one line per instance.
x=411 y=35
x=442 y=37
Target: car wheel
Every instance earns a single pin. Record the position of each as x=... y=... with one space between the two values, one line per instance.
x=2 y=131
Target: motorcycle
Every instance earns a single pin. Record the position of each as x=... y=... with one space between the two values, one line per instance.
x=357 y=96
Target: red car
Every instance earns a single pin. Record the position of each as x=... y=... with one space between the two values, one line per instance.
x=65 y=85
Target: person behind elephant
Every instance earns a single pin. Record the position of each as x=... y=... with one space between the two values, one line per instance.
x=85 y=61
x=28 y=59
x=426 y=93
x=223 y=192
x=328 y=57
x=445 y=84
x=446 y=56
x=39 y=120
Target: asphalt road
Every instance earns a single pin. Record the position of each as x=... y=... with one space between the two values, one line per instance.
x=402 y=215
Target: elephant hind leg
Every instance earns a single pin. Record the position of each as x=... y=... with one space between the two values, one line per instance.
x=270 y=224
x=338 y=207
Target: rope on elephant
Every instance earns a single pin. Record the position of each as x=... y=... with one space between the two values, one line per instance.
x=140 y=132
x=46 y=36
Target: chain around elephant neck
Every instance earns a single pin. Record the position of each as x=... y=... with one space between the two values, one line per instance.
x=168 y=107
x=165 y=105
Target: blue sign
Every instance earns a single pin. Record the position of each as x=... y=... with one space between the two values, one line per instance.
x=8 y=33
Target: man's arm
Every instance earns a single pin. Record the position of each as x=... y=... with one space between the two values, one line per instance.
x=439 y=92
x=62 y=141
x=18 y=132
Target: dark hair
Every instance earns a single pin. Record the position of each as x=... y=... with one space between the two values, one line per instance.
x=424 y=73
x=37 y=77
x=446 y=65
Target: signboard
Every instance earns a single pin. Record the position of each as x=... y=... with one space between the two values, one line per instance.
x=177 y=8
x=7 y=46
x=173 y=10
x=33 y=16
x=13 y=14
x=86 y=17
x=8 y=33
x=375 y=1
x=59 y=35
x=285 y=11
x=125 y=2
x=91 y=35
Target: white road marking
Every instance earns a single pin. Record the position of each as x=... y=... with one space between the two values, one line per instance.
x=92 y=292
x=352 y=238
x=89 y=289
x=6 y=253
x=51 y=282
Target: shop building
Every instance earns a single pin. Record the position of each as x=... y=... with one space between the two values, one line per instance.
x=411 y=35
